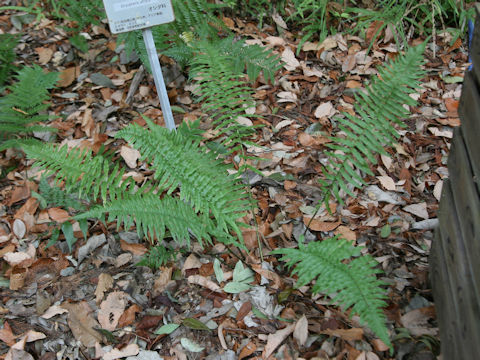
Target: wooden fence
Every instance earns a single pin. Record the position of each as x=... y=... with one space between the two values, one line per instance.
x=455 y=254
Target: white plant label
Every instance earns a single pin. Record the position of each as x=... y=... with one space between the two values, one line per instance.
x=129 y=15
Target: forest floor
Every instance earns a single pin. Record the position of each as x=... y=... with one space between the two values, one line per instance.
x=53 y=302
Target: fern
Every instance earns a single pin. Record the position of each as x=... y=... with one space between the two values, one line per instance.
x=83 y=173
x=54 y=196
x=152 y=216
x=177 y=161
x=210 y=201
x=365 y=135
x=24 y=107
x=8 y=43
x=340 y=271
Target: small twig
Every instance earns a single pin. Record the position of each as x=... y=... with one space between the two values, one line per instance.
x=137 y=79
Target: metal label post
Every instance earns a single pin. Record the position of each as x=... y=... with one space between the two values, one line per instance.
x=129 y=15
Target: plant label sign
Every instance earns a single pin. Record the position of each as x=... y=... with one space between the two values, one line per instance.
x=129 y=15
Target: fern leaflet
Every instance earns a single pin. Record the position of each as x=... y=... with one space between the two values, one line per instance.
x=339 y=270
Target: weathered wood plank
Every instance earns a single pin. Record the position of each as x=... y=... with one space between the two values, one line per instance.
x=445 y=304
x=460 y=282
x=469 y=111
x=467 y=205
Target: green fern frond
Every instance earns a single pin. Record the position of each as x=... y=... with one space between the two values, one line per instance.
x=25 y=105
x=365 y=136
x=191 y=14
x=55 y=196
x=340 y=271
x=8 y=42
x=83 y=173
x=152 y=217
x=179 y=162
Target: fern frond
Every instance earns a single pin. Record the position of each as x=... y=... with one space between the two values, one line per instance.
x=340 y=271
x=23 y=108
x=55 y=196
x=83 y=173
x=190 y=14
x=179 y=162
x=364 y=136
x=8 y=42
x=152 y=217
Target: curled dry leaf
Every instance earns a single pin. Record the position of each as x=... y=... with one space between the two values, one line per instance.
x=274 y=340
x=19 y=228
x=21 y=258
x=130 y=156
x=53 y=311
x=289 y=59
x=300 y=334
x=105 y=282
x=203 y=281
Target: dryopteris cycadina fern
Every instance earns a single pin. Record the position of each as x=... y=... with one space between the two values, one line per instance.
x=24 y=106
x=364 y=136
x=8 y=42
x=178 y=161
x=210 y=200
x=340 y=271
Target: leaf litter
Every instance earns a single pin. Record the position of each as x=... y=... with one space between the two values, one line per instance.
x=94 y=302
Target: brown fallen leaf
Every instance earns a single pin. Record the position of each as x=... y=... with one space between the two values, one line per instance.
x=59 y=215
x=6 y=334
x=345 y=334
x=135 y=249
x=82 y=323
x=318 y=225
x=129 y=350
x=44 y=55
x=68 y=76
x=111 y=309
x=163 y=280
x=247 y=350
x=128 y=316
x=274 y=340
x=203 y=281
x=105 y=282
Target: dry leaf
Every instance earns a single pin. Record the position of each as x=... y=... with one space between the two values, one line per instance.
x=387 y=182
x=163 y=280
x=324 y=110
x=345 y=334
x=44 y=55
x=58 y=215
x=275 y=41
x=68 y=76
x=191 y=262
x=135 y=249
x=203 y=281
x=130 y=156
x=274 y=340
x=349 y=63
x=318 y=225
x=247 y=350
x=111 y=309
x=437 y=190
x=105 y=282
x=279 y=21
x=129 y=350
x=128 y=317
x=82 y=323
x=19 y=228
x=346 y=233
x=300 y=334
x=419 y=210
x=288 y=57
x=21 y=258
x=53 y=311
